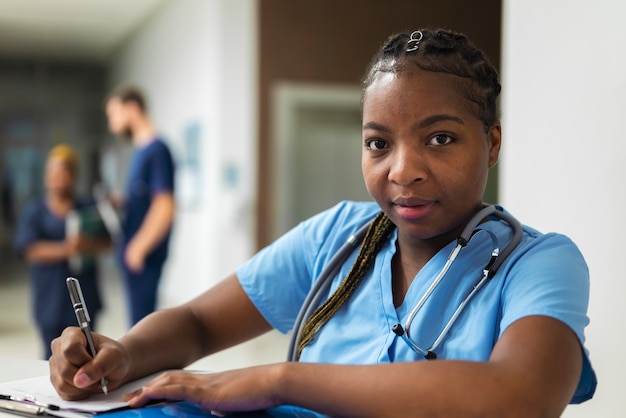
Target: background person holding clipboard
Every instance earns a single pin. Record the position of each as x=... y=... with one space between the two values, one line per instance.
x=60 y=235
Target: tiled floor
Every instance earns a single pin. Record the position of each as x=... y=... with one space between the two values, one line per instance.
x=19 y=339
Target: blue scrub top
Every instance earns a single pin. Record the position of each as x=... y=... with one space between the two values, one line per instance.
x=545 y=275
x=150 y=172
x=50 y=301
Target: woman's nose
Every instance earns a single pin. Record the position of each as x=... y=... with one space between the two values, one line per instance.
x=407 y=166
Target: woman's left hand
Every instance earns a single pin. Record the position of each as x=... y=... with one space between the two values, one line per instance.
x=238 y=390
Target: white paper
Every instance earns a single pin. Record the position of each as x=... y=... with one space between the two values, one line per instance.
x=41 y=389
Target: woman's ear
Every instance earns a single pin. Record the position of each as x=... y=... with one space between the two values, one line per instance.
x=495 y=140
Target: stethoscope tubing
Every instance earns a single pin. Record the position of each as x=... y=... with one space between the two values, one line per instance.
x=497 y=257
x=324 y=280
x=321 y=285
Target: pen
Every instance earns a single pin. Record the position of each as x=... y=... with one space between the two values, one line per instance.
x=82 y=315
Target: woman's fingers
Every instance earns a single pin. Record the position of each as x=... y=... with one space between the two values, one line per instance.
x=75 y=374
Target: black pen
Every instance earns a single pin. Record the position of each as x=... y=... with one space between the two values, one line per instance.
x=82 y=315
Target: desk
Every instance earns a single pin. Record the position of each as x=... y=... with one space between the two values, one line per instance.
x=15 y=369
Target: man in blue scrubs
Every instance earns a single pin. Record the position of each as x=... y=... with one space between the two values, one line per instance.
x=148 y=201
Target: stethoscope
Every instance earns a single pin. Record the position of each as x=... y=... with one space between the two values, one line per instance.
x=324 y=280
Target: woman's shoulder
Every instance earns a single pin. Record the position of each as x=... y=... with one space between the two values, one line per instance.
x=347 y=213
x=35 y=206
x=535 y=237
x=338 y=222
x=353 y=208
x=546 y=251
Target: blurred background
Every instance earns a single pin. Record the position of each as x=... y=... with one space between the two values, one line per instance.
x=259 y=102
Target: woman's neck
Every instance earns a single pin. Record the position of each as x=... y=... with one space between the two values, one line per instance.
x=411 y=255
x=60 y=203
x=405 y=265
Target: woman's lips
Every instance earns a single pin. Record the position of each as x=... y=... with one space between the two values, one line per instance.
x=413 y=208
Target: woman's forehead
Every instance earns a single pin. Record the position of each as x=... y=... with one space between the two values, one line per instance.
x=407 y=90
x=415 y=78
x=58 y=162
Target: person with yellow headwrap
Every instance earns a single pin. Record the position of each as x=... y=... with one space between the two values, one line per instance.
x=42 y=238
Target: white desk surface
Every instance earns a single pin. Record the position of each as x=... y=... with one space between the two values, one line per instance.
x=17 y=368
x=12 y=368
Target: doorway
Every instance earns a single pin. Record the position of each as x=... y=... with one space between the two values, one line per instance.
x=318 y=143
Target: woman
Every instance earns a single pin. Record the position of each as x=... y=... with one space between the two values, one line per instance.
x=430 y=135
x=52 y=254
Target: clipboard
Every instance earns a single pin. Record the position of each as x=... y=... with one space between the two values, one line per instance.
x=20 y=408
x=37 y=397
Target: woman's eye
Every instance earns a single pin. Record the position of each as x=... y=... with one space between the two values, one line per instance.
x=375 y=144
x=440 y=139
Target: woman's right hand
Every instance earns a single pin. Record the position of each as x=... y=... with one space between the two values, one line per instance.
x=75 y=374
x=80 y=244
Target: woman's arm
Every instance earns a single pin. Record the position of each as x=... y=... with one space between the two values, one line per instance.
x=219 y=318
x=167 y=339
x=49 y=251
x=533 y=372
x=54 y=251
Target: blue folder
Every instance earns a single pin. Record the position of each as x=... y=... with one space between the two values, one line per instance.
x=191 y=410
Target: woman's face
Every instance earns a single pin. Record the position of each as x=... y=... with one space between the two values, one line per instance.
x=425 y=153
x=58 y=178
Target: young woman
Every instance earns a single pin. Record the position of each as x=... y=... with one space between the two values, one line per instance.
x=42 y=238
x=430 y=135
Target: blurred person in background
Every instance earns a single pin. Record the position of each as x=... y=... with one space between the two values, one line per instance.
x=53 y=253
x=148 y=202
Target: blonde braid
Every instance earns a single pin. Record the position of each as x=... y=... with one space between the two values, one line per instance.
x=375 y=237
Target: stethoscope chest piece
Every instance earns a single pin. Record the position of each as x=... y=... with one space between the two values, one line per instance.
x=495 y=261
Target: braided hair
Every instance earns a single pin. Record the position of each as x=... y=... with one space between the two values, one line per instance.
x=445 y=52
x=429 y=50
x=374 y=239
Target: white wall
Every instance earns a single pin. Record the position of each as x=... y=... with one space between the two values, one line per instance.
x=562 y=166
x=196 y=60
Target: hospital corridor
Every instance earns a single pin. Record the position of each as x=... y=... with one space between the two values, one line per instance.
x=264 y=120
